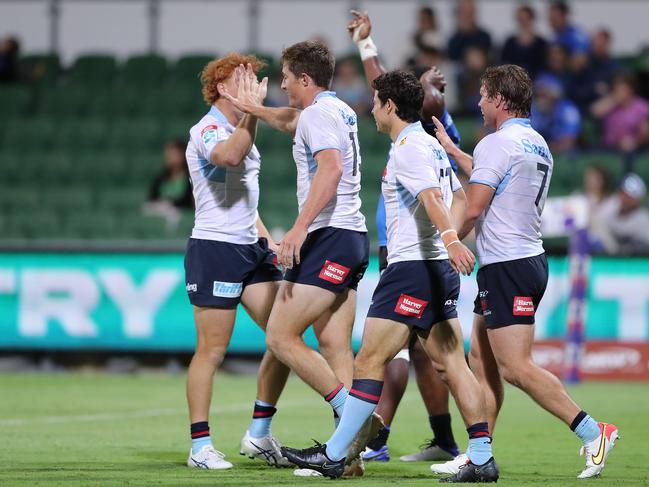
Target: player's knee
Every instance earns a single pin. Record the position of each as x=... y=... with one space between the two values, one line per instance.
x=278 y=343
x=214 y=354
x=513 y=374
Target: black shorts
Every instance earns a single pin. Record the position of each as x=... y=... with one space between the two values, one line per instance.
x=417 y=293
x=332 y=258
x=510 y=292
x=216 y=273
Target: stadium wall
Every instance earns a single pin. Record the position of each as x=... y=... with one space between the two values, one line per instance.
x=137 y=302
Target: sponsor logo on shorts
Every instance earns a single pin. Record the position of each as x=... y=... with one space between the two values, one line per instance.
x=227 y=289
x=333 y=272
x=209 y=133
x=191 y=287
x=523 y=306
x=409 y=306
x=450 y=302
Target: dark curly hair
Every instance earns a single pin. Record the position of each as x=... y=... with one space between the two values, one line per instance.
x=313 y=58
x=404 y=89
x=514 y=85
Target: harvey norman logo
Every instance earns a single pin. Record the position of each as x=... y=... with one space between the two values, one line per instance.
x=227 y=289
x=333 y=272
x=409 y=306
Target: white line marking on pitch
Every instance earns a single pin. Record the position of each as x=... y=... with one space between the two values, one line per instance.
x=147 y=413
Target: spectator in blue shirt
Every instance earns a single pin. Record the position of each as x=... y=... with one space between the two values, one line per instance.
x=526 y=48
x=572 y=38
x=468 y=33
x=556 y=118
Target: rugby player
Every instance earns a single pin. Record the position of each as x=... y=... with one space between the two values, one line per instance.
x=229 y=259
x=433 y=390
x=512 y=169
x=418 y=290
x=326 y=251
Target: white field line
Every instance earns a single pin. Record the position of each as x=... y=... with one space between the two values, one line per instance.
x=144 y=413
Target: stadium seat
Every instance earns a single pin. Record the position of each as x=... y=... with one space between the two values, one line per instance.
x=39 y=223
x=90 y=224
x=187 y=69
x=25 y=197
x=43 y=68
x=144 y=166
x=133 y=225
x=79 y=134
x=100 y=169
x=67 y=199
x=66 y=102
x=135 y=134
x=48 y=169
x=94 y=69
x=16 y=101
x=27 y=135
x=121 y=199
x=144 y=70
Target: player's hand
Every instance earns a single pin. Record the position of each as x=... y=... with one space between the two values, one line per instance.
x=288 y=253
x=250 y=92
x=442 y=136
x=360 y=26
x=461 y=258
x=273 y=247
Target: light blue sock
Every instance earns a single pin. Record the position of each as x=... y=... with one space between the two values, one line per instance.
x=479 y=450
x=262 y=418
x=336 y=420
x=199 y=443
x=355 y=413
x=587 y=429
x=337 y=400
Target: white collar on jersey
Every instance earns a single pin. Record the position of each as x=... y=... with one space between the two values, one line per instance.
x=324 y=94
x=525 y=122
x=413 y=127
x=218 y=114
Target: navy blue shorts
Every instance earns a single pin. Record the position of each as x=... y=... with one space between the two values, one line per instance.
x=509 y=292
x=332 y=258
x=417 y=293
x=216 y=273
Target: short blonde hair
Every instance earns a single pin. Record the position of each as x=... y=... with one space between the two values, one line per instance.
x=219 y=70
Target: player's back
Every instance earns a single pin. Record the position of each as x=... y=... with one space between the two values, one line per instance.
x=330 y=123
x=417 y=162
x=517 y=163
x=226 y=197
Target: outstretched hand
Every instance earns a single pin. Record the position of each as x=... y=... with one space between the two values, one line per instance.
x=442 y=136
x=360 y=26
x=250 y=91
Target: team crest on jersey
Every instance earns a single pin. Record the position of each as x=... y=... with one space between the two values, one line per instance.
x=410 y=306
x=403 y=141
x=334 y=273
x=349 y=119
x=523 y=306
x=208 y=134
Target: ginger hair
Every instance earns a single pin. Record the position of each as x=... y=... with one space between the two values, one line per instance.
x=218 y=70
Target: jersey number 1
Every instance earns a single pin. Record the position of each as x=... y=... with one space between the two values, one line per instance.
x=355 y=147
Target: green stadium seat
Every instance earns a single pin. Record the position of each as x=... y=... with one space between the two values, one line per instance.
x=100 y=169
x=43 y=68
x=16 y=101
x=90 y=224
x=122 y=200
x=68 y=199
x=94 y=69
x=178 y=129
x=80 y=134
x=187 y=69
x=46 y=168
x=41 y=223
x=135 y=134
x=19 y=197
x=28 y=135
x=269 y=139
x=144 y=166
x=134 y=225
x=66 y=102
x=144 y=70
x=180 y=101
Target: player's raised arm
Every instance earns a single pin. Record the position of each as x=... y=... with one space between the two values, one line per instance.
x=359 y=29
x=248 y=100
x=464 y=160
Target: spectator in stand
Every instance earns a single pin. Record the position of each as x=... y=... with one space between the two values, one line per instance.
x=624 y=116
x=9 y=69
x=553 y=116
x=571 y=37
x=474 y=64
x=580 y=83
x=619 y=227
x=428 y=35
x=603 y=66
x=351 y=87
x=468 y=33
x=526 y=48
x=597 y=187
x=557 y=64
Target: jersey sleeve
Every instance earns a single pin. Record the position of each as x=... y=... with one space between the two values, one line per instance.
x=490 y=162
x=413 y=167
x=455 y=182
x=207 y=136
x=320 y=130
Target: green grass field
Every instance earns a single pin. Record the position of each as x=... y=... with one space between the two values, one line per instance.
x=98 y=429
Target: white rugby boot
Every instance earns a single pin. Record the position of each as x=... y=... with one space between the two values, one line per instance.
x=597 y=450
x=209 y=458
